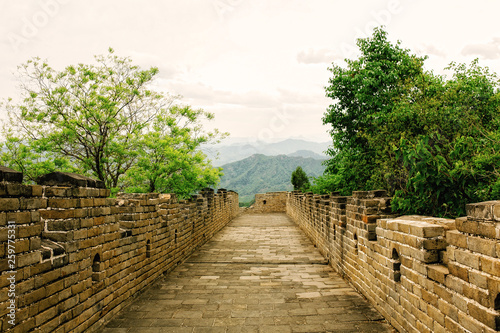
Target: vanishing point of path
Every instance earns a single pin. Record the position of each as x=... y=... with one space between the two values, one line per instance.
x=259 y=274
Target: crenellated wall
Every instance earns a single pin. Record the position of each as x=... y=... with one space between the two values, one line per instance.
x=81 y=256
x=271 y=202
x=424 y=274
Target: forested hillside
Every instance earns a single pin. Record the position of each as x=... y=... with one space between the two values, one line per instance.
x=259 y=173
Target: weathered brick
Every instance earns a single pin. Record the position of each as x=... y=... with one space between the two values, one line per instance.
x=480 y=211
x=455 y=283
x=459 y=271
x=45 y=316
x=467 y=258
x=9 y=204
x=32 y=203
x=63 y=225
x=18 y=190
x=468 y=226
x=28 y=259
x=62 y=203
x=28 y=231
x=55 y=191
x=37 y=190
x=481 y=245
x=478 y=279
x=452 y=325
x=490 y=265
x=438 y=243
x=437 y=273
x=19 y=217
x=456 y=238
x=32 y=297
x=57 y=214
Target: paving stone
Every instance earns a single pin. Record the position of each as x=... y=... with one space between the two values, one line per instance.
x=259 y=274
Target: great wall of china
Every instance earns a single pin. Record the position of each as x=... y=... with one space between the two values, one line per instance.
x=80 y=256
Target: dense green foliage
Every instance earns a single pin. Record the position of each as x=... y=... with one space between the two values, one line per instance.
x=299 y=180
x=106 y=121
x=431 y=142
x=260 y=174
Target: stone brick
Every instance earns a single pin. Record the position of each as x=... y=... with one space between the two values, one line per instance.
x=10 y=175
x=481 y=211
x=19 y=217
x=9 y=204
x=459 y=271
x=426 y=230
x=28 y=231
x=18 y=190
x=55 y=191
x=57 y=214
x=467 y=258
x=68 y=179
x=481 y=245
x=62 y=203
x=467 y=226
x=434 y=244
x=32 y=203
x=478 y=279
x=455 y=283
x=28 y=259
x=456 y=238
x=490 y=265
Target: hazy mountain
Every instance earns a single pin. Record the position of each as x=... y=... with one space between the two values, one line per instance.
x=221 y=154
x=308 y=154
x=259 y=174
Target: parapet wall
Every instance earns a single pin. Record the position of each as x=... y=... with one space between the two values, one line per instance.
x=272 y=202
x=423 y=274
x=81 y=256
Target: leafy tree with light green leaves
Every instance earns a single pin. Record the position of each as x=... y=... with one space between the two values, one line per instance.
x=97 y=120
x=25 y=156
x=299 y=180
x=169 y=159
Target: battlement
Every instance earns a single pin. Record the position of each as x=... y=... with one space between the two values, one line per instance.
x=424 y=274
x=80 y=256
x=271 y=202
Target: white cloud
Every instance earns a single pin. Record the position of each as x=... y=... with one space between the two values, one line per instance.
x=431 y=50
x=322 y=56
x=490 y=50
x=251 y=60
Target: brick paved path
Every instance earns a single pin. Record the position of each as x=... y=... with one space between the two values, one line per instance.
x=259 y=274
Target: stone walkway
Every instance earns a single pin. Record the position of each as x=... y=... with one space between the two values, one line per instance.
x=259 y=274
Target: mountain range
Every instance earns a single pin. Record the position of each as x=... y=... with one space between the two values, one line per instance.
x=260 y=173
x=224 y=153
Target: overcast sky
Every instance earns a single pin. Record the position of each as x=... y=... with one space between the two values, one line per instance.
x=259 y=65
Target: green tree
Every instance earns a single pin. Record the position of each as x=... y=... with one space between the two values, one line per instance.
x=430 y=141
x=449 y=156
x=105 y=120
x=25 y=156
x=299 y=180
x=169 y=159
x=363 y=95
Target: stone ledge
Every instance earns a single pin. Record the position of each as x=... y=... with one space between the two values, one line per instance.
x=69 y=179
x=10 y=175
